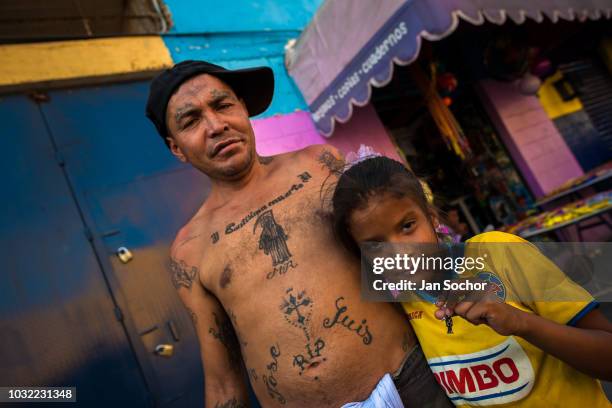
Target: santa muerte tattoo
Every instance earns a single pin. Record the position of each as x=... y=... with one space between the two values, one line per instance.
x=273 y=241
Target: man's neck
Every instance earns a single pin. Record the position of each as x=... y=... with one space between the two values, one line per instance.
x=224 y=191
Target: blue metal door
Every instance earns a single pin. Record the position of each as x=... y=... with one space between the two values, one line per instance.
x=59 y=322
x=135 y=195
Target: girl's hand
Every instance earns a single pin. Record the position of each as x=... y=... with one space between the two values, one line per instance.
x=506 y=320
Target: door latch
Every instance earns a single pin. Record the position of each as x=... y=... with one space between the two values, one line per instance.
x=164 y=350
x=124 y=254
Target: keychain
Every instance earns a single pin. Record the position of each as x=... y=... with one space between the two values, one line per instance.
x=449 y=324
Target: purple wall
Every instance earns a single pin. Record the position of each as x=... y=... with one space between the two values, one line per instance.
x=540 y=152
x=285 y=133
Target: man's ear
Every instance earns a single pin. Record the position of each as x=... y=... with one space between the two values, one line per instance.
x=176 y=150
x=243 y=104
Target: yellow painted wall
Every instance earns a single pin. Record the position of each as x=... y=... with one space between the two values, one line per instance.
x=65 y=60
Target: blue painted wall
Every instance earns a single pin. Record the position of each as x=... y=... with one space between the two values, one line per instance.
x=214 y=16
x=241 y=34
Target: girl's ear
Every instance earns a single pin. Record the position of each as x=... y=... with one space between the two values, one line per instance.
x=434 y=217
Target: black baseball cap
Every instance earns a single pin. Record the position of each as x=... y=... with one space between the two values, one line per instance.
x=254 y=85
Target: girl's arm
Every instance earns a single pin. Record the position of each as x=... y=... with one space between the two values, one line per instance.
x=586 y=347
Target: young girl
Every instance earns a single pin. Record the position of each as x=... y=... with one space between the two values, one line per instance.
x=527 y=353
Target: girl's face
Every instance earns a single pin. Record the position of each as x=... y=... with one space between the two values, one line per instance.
x=387 y=218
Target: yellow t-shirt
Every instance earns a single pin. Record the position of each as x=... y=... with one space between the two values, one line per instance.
x=478 y=367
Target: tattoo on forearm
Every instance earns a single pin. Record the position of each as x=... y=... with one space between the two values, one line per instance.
x=227 y=336
x=297 y=311
x=269 y=379
x=343 y=319
x=330 y=161
x=273 y=241
x=182 y=274
x=232 y=403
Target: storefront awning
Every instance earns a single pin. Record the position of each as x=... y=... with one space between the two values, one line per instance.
x=351 y=45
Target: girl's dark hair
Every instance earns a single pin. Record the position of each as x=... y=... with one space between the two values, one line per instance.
x=364 y=180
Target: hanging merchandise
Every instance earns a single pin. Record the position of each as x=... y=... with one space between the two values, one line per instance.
x=446 y=84
x=442 y=116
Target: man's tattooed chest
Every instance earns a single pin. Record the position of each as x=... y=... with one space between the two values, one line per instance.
x=270 y=229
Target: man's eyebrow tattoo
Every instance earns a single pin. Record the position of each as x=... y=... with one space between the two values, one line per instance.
x=218 y=96
x=184 y=111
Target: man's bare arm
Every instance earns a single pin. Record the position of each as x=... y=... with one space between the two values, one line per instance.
x=224 y=376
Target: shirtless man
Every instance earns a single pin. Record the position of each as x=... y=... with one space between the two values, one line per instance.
x=272 y=296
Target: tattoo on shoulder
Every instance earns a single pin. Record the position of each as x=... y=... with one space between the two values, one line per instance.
x=342 y=318
x=183 y=275
x=330 y=161
x=231 y=403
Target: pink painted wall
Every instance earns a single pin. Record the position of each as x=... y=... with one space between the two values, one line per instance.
x=531 y=137
x=285 y=133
